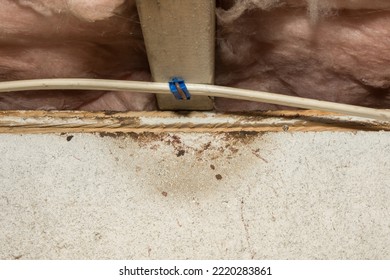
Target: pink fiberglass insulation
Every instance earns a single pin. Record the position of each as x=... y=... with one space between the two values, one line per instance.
x=330 y=50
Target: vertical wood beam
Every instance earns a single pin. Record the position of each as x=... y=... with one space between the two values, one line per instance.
x=180 y=41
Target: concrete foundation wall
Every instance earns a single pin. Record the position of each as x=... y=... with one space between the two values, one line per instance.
x=301 y=195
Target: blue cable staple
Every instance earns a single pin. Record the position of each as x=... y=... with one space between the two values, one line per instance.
x=176 y=84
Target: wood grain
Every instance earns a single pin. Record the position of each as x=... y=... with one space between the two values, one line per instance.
x=164 y=121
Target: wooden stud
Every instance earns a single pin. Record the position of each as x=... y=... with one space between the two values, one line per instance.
x=180 y=41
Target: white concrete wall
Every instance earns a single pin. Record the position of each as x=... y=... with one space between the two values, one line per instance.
x=301 y=195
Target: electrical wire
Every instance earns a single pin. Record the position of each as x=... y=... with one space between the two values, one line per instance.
x=195 y=89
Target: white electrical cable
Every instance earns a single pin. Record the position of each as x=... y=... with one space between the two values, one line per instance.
x=195 y=89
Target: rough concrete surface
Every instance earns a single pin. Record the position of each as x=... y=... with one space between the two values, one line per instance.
x=195 y=196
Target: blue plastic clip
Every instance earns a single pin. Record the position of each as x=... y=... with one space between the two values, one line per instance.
x=179 y=89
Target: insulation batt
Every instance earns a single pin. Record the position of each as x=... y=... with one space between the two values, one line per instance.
x=335 y=50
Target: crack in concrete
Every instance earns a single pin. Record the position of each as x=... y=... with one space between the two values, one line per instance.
x=246 y=228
